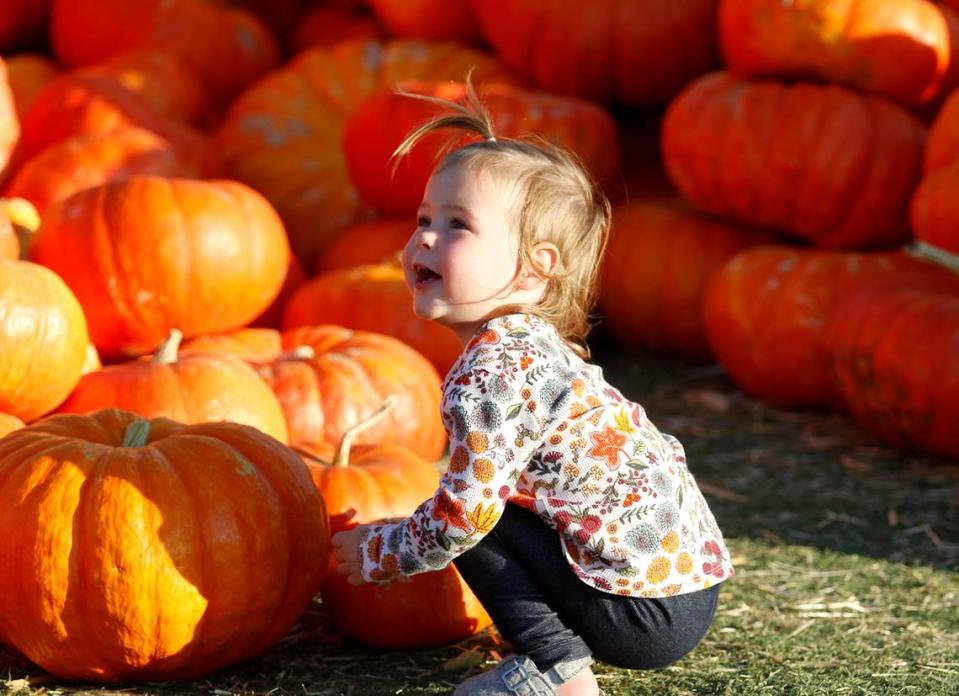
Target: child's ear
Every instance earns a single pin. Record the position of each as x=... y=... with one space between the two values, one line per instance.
x=545 y=257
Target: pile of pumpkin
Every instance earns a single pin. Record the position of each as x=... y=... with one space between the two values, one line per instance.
x=200 y=307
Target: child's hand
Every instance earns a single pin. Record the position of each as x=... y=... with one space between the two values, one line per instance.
x=346 y=551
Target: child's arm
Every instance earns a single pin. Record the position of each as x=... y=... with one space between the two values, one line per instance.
x=493 y=433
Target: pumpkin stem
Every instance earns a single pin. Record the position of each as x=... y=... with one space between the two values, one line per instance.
x=928 y=252
x=137 y=433
x=167 y=352
x=299 y=353
x=343 y=452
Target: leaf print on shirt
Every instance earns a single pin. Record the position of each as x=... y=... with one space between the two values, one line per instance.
x=483 y=519
x=623 y=422
x=449 y=510
x=608 y=445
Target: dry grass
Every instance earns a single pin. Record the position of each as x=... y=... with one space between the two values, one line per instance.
x=847 y=556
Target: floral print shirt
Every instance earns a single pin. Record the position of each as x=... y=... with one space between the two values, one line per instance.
x=531 y=423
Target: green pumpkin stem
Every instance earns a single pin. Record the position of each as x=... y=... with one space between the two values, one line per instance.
x=137 y=433
x=343 y=452
x=169 y=350
x=928 y=252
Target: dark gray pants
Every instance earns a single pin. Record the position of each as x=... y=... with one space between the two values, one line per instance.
x=522 y=578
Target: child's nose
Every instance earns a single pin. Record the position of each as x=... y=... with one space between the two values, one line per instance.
x=427 y=239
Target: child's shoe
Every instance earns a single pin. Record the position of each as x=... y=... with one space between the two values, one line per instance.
x=519 y=676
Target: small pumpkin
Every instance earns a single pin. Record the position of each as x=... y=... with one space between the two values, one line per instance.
x=766 y=311
x=903 y=390
x=187 y=547
x=148 y=254
x=372 y=298
x=195 y=388
x=43 y=339
x=367 y=483
x=820 y=161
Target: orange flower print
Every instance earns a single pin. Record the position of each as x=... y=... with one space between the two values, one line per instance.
x=459 y=460
x=607 y=445
x=525 y=362
x=374 y=548
x=450 y=510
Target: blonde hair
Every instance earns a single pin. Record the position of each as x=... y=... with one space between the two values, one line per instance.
x=558 y=202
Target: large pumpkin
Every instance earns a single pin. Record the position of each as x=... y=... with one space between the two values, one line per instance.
x=91 y=159
x=384 y=120
x=821 y=162
x=138 y=549
x=227 y=48
x=766 y=312
x=895 y=360
x=376 y=241
x=284 y=135
x=43 y=340
x=659 y=259
x=372 y=298
x=377 y=482
x=196 y=388
x=900 y=49
x=631 y=51
x=148 y=254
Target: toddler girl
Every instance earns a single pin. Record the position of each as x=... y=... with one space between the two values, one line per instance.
x=573 y=519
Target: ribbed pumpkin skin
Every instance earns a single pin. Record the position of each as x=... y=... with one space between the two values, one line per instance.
x=372 y=298
x=194 y=389
x=428 y=19
x=942 y=147
x=39 y=367
x=630 y=51
x=147 y=255
x=383 y=121
x=284 y=135
x=8 y=424
x=371 y=242
x=380 y=482
x=26 y=74
x=350 y=377
x=659 y=259
x=195 y=551
x=899 y=49
x=227 y=48
x=88 y=160
x=895 y=358
x=822 y=162
x=78 y=103
x=935 y=208
x=766 y=311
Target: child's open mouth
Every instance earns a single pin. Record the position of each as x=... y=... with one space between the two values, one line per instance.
x=424 y=276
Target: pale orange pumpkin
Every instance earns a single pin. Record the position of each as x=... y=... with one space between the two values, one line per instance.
x=284 y=135
x=43 y=339
x=147 y=550
x=196 y=388
x=148 y=254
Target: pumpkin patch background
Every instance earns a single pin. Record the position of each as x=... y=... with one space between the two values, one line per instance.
x=200 y=223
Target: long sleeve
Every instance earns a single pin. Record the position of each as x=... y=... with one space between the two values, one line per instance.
x=495 y=422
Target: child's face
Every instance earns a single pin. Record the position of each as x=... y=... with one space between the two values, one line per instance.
x=462 y=260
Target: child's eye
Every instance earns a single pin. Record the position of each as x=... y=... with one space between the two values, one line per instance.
x=456 y=222
x=422 y=221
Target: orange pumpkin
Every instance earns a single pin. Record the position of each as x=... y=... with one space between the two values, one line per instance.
x=660 y=257
x=43 y=340
x=227 y=48
x=903 y=390
x=284 y=135
x=92 y=159
x=942 y=148
x=630 y=51
x=822 y=162
x=295 y=277
x=372 y=298
x=899 y=49
x=8 y=424
x=373 y=482
x=935 y=208
x=196 y=388
x=188 y=548
x=383 y=121
x=26 y=74
x=766 y=310
x=330 y=378
x=78 y=103
x=371 y=242
x=147 y=254
x=438 y=20
x=325 y=26
x=254 y=345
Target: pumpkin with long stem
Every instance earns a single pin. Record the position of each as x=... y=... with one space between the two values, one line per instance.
x=137 y=549
x=366 y=483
